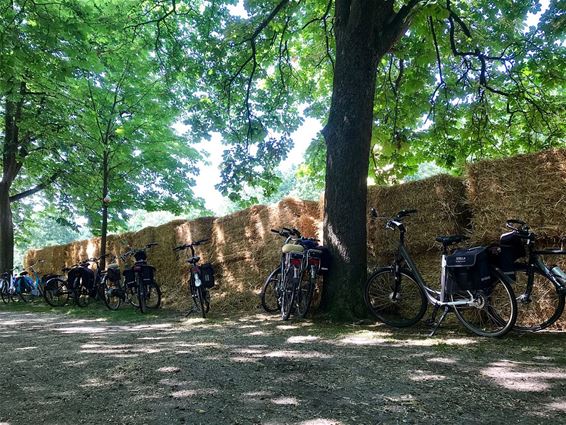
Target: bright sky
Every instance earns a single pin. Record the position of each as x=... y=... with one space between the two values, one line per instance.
x=210 y=174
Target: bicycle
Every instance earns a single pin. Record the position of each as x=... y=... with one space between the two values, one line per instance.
x=30 y=286
x=291 y=285
x=7 y=286
x=201 y=279
x=540 y=289
x=140 y=288
x=81 y=284
x=476 y=290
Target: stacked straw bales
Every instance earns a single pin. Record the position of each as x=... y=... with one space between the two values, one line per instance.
x=244 y=251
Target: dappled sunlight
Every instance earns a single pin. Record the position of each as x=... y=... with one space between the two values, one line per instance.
x=424 y=376
x=97 y=383
x=302 y=339
x=293 y=354
x=442 y=360
x=557 y=406
x=169 y=369
x=320 y=421
x=524 y=377
x=285 y=401
x=193 y=393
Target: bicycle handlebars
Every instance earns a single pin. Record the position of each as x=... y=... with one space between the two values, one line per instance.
x=188 y=245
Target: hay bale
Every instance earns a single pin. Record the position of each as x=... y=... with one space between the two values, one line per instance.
x=440 y=201
x=526 y=187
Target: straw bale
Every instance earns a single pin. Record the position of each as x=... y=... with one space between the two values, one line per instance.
x=527 y=187
x=440 y=201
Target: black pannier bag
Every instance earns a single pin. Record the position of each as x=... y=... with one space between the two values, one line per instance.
x=207 y=275
x=113 y=272
x=129 y=277
x=512 y=248
x=147 y=273
x=468 y=269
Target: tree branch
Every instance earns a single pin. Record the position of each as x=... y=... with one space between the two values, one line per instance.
x=35 y=189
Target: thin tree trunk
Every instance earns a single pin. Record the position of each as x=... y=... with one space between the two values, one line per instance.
x=6 y=230
x=104 y=229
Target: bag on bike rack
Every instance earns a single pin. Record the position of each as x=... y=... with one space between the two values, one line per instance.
x=86 y=274
x=113 y=272
x=148 y=273
x=468 y=269
x=129 y=277
x=207 y=275
x=512 y=248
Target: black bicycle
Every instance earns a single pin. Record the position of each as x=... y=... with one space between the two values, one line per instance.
x=540 y=288
x=140 y=287
x=201 y=278
x=291 y=285
x=476 y=290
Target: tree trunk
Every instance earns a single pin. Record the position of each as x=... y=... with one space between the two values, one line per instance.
x=6 y=230
x=348 y=140
x=104 y=229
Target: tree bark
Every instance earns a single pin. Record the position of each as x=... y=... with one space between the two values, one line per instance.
x=6 y=230
x=104 y=227
x=348 y=141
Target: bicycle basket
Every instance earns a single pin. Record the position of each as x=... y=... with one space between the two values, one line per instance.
x=207 y=275
x=468 y=269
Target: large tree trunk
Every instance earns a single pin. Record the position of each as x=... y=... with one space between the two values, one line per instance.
x=6 y=230
x=348 y=140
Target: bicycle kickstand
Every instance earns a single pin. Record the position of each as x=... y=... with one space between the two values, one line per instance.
x=442 y=317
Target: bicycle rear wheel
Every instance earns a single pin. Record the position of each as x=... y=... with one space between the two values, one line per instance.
x=305 y=292
x=153 y=296
x=494 y=312
x=199 y=301
x=269 y=292
x=288 y=294
x=24 y=289
x=81 y=292
x=542 y=307
x=141 y=295
x=398 y=304
x=56 y=292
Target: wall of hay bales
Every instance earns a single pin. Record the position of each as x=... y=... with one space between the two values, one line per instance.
x=242 y=248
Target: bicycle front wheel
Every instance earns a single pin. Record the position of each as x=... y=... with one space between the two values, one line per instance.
x=269 y=292
x=5 y=291
x=541 y=307
x=399 y=304
x=56 y=292
x=201 y=300
x=306 y=289
x=141 y=295
x=81 y=292
x=493 y=311
x=113 y=294
x=288 y=294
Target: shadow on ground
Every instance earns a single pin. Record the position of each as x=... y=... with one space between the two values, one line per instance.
x=258 y=370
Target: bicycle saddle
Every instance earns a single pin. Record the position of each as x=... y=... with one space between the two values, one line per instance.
x=449 y=240
x=289 y=247
x=194 y=260
x=24 y=273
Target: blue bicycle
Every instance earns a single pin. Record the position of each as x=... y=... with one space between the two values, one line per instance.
x=29 y=285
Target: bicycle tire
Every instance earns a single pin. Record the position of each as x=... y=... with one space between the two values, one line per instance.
x=153 y=296
x=288 y=295
x=206 y=300
x=24 y=290
x=543 y=308
x=269 y=292
x=5 y=291
x=81 y=293
x=112 y=293
x=305 y=292
x=410 y=303
x=56 y=292
x=496 y=312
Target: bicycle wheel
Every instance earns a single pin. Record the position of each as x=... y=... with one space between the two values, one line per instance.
x=399 y=305
x=5 y=291
x=288 y=294
x=24 y=289
x=56 y=292
x=153 y=296
x=304 y=294
x=494 y=311
x=81 y=293
x=269 y=292
x=542 y=307
x=113 y=293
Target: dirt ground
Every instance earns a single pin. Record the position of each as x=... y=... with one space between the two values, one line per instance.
x=58 y=368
